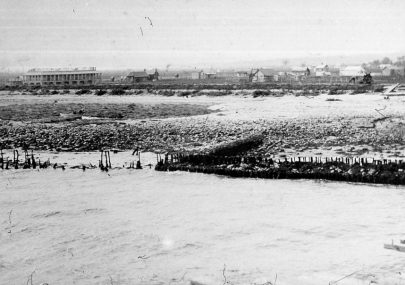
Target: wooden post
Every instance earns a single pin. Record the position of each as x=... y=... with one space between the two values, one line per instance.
x=34 y=164
x=106 y=159
x=109 y=159
x=17 y=159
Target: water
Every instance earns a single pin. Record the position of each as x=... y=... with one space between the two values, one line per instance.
x=147 y=227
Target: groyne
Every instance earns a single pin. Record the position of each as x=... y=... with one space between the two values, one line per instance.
x=27 y=160
x=328 y=168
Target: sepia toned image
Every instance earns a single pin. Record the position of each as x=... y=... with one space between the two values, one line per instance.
x=202 y=142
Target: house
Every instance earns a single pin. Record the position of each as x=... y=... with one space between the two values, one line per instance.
x=334 y=70
x=352 y=71
x=300 y=71
x=374 y=71
x=226 y=74
x=186 y=74
x=385 y=66
x=322 y=70
x=153 y=76
x=263 y=75
x=242 y=74
x=391 y=70
x=197 y=75
x=210 y=74
x=168 y=75
x=398 y=70
x=17 y=81
x=203 y=74
x=137 y=76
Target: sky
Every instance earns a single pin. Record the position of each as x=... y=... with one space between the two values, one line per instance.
x=136 y=34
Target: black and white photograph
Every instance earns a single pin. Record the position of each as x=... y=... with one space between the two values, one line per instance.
x=202 y=142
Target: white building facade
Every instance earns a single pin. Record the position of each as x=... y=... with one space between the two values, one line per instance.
x=61 y=76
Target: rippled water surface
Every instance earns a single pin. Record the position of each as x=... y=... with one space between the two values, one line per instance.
x=146 y=227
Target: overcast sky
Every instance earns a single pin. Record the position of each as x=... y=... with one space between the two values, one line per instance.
x=107 y=34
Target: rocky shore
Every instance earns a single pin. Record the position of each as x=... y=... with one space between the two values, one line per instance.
x=196 y=133
x=291 y=126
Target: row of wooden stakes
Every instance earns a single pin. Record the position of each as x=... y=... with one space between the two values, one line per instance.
x=27 y=162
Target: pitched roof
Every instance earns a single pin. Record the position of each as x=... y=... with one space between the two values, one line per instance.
x=268 y=72
x=299 y=68
x=353 y=68
x=373 y=70
x=210 y=71
x=322 y=66
x=396 y=67
x=138 y=74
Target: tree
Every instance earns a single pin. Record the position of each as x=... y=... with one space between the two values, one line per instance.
x=400 y=61
x=375 y=63
x=386 y=60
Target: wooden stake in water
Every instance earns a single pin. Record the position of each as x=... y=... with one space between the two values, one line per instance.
x=109 y=159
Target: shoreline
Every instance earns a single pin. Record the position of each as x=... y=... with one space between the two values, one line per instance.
x=289 y=137
x=364 y=126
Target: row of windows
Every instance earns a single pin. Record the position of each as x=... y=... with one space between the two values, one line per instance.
x=57 y=77
x=63 y=83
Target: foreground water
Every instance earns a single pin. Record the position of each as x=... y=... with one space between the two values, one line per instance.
x=146 y=227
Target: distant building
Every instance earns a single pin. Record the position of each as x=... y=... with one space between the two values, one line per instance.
x=322 y=70
x=168 y=75
x=62 y=76
x=17 y=81
x=203 y=74
x=137 y=76
x=226 y=74
x=210 y=74
x=352 y=71
x=154 y=76
x=334 y=71
x=299 y=71
x=197 y=75
x=242 y=74
x=391 y=70
x=398 y=70
x=374 y=71
x=184 y=75
x=385 y=66
x=264 y=75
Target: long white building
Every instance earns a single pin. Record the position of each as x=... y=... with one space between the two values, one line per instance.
x=62 y=76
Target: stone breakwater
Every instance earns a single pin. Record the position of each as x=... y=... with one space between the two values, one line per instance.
x=336 y=169
x=195 y=133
